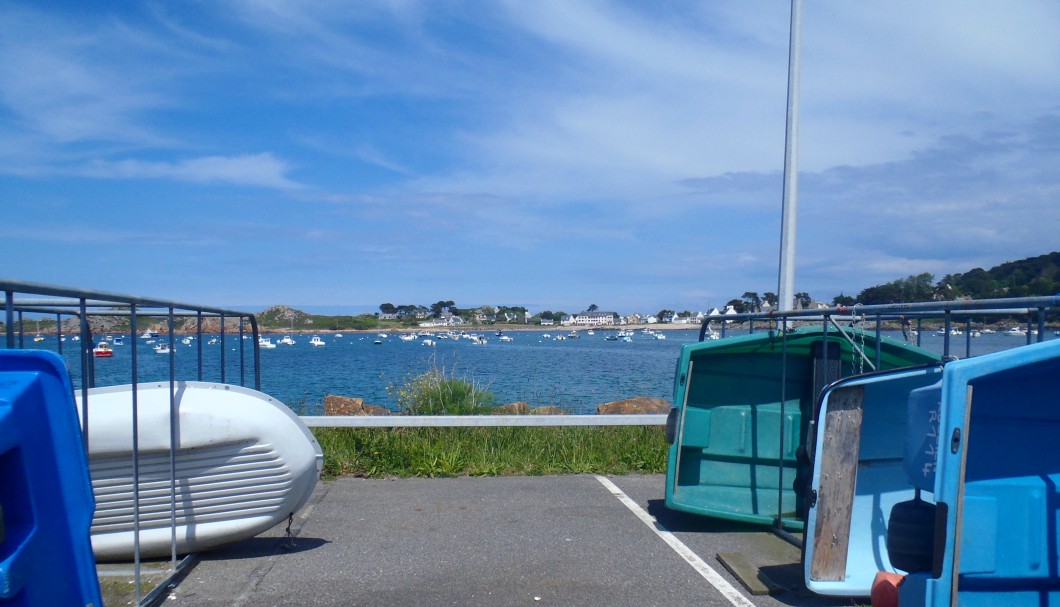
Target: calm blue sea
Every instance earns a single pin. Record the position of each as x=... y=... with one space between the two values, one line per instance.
x=574 y=374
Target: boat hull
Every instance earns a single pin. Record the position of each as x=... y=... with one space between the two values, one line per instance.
x=742 y=419
x=243 y=463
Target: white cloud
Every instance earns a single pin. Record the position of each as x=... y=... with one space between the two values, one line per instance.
x=256 y=170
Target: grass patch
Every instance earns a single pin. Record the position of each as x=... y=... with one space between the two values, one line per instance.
x=507 y=451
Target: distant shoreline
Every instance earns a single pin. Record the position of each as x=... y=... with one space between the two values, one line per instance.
x=488 y=328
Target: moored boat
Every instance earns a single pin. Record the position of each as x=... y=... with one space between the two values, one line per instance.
x=102 y=350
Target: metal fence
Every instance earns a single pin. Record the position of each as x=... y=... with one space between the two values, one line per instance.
x=1031 y=312
x=79 y=309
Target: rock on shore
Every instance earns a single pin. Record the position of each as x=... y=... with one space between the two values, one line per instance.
x=634 y=406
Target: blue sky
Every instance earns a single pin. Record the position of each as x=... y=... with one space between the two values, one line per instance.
x=550 y=154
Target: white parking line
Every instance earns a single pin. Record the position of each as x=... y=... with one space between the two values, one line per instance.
x=715 y=579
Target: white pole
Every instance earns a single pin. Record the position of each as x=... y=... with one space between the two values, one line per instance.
x=786 y=289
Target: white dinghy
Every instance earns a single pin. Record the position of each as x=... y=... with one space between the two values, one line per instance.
x=244 y=462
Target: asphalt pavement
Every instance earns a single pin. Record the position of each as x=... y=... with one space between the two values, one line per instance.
x=533 y=541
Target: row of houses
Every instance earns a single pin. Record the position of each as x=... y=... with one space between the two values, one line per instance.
x=586 y=318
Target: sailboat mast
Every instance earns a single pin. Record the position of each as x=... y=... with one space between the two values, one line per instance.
x=786 y=288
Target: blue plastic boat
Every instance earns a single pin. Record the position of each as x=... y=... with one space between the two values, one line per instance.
x=960 y=493
x=45 y=494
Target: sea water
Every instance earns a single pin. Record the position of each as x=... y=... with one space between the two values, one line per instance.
x=575 y=374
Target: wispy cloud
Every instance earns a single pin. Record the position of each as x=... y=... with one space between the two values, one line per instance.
x=257 y=170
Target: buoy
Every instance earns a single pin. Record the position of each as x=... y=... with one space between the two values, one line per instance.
x=885 y=589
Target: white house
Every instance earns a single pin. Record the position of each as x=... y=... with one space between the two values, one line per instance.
x=594 y=319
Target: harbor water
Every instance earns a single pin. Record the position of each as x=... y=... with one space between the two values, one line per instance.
x=574 y=374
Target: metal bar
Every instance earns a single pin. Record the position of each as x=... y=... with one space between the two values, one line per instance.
x=9 y=315
x=102 y=296
x=478 y=421
x=932 y=309
x=173 y=421
x=198 y=339
x=946 y=334
x=853 y=345
x=879 y=341
x=256 y=349
x=778 y=522
x=223 y=347
x=59 y=332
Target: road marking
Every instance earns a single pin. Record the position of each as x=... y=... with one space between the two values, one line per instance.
x=715 y=579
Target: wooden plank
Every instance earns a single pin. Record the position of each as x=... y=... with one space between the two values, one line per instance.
x=752 y=578
x=835 y=496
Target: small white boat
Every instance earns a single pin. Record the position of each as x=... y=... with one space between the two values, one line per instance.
x=162 y=348
x=265 y=343
x=505 y=338
x=186 y=341
x=316 y=341
x=102 y=350
x=244 y=463
x=287 y=340
x=1014 y=332
x=148 y=334
x=38 y=338
x=427 y=342
x=119 y=340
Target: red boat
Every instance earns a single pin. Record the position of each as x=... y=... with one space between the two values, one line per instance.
x=102 y=350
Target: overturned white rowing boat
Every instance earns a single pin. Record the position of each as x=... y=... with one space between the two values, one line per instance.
x=244 y=462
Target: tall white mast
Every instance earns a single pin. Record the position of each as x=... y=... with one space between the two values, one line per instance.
x=786 y=289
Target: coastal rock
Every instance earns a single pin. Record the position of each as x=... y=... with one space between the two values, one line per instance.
x=516 y=408
x=548 y=410
x=634 y=406
x=345 y=405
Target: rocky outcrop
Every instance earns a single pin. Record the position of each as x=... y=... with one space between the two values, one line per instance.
x=548 y=410
x=634 y=406
x=345 y=405
x=516 y=408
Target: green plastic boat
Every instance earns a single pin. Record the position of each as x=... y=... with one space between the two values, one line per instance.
x=743 y=417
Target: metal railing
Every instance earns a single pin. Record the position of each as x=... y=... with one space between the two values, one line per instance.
x=1032 y=312
x=32 y=302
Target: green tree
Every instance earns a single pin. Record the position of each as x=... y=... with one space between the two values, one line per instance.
x=593 y=308
x=388 y=308
x=804 y=299
x=753 y=302
x=843 y=300
x=442 y=306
